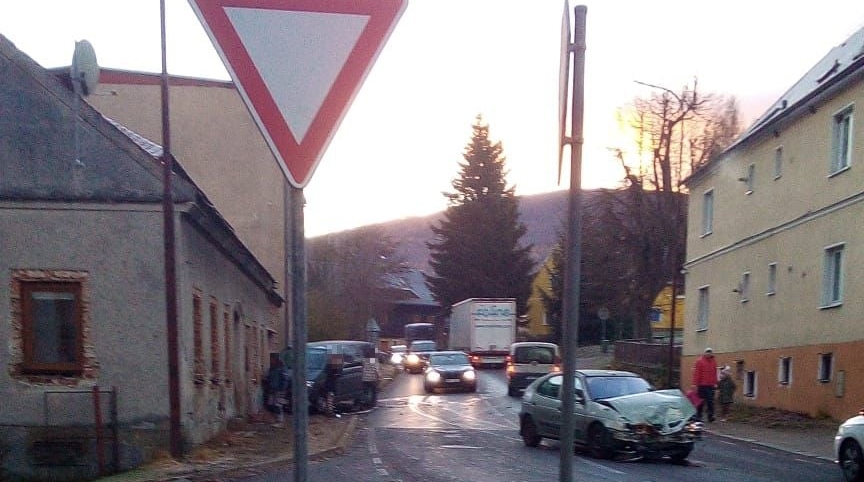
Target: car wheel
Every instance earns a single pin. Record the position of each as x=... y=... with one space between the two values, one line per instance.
x=528 y=431
x=681 y=455
x=851 y=461
x=599 y=443
x=427 y=388
x=326 y=403
x=512 y=391
x=472 y=388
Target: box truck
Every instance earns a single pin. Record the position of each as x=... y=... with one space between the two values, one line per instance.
x=483 y=328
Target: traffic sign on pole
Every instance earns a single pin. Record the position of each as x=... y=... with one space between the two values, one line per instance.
x=298 y=65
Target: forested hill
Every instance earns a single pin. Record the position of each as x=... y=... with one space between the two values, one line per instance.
x=543 y=215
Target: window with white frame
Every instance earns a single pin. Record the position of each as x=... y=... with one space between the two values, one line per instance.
x=784 y=370
x=778 y=162
x=826 y=367
x=750 y=384
x=772 y=279
x=751 y=178
x=841 y=142
x=832 y=277
x=744 y=289
x=702 y=318
x=708 y=212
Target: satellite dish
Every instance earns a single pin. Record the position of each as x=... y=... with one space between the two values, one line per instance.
x=84 y=70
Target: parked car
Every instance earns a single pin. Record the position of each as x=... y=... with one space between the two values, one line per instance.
x=339 y=374
x=847 y=448
x=417 y=355
x=449 y=370
x=615 y=412
x=528 y=361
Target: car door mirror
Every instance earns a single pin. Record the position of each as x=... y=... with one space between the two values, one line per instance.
x=579 y=396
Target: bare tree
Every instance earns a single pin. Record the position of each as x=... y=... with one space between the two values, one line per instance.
x=675 y=134
x=348 y=281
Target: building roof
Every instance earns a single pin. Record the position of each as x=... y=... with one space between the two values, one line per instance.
x=112 y=163
x=843 y=64
x=413 y=282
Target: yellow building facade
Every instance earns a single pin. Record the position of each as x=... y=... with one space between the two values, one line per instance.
x=774 y=247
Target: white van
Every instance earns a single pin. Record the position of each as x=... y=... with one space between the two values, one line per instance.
x=528 y=361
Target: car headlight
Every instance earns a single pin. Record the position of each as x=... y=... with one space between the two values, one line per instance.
x=433 y=377
x=412 y=359
x=396 y=358
x=694 y=427
x=469 y=376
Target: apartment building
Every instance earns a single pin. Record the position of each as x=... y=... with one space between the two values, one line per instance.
x=775 y=247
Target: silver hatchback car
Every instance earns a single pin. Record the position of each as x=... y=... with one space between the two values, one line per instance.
x=615 y=412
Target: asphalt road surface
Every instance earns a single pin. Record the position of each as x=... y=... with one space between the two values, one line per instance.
x=449 y=437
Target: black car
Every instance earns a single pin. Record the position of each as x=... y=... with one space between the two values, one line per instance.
x=340 y=374
x=449 y=370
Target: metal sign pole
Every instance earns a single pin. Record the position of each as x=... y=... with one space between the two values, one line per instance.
x=299 y=392
x=573 y=253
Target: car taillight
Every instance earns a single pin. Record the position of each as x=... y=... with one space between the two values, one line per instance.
x=511 y=368
x=556 y=368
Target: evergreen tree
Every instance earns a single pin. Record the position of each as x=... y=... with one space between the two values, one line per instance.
x=476 y=250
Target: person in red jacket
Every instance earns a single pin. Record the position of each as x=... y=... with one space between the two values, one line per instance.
x=705 y=380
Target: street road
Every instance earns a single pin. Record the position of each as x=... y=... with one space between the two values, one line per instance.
x=448 y=437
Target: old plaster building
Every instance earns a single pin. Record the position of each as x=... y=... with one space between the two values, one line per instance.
x=220 y=146
x=775 y=247
x=83 y=302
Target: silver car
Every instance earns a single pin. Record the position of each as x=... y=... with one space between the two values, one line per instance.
x=847 y=448
x=615 y=412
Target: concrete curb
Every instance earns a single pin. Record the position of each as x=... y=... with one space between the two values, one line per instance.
x=774 y=446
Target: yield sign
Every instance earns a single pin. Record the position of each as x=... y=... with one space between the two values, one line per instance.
x=298 y=65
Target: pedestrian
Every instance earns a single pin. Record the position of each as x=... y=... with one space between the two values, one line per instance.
x=275 y=385
x=726 y=392
x=705 y=381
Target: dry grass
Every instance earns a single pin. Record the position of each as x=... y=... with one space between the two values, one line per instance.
x=776 y=418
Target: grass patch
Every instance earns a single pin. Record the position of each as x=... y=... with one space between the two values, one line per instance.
x=777 y=418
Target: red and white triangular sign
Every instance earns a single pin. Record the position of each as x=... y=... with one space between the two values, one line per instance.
x=298 y=65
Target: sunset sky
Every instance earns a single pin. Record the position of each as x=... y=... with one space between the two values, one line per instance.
x=400 y=143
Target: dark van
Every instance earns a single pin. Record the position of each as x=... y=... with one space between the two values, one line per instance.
x=340 y=374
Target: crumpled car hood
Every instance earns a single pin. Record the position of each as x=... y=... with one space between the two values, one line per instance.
x=667 y=410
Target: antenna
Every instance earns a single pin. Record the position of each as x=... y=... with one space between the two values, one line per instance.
x=84 y=74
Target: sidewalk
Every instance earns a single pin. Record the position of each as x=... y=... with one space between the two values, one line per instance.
x=811 y=442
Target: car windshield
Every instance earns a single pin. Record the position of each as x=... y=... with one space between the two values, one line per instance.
x=423 y=346
x=316 y=358
x=448 y=359
x=611 y=387
x=539 y=354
